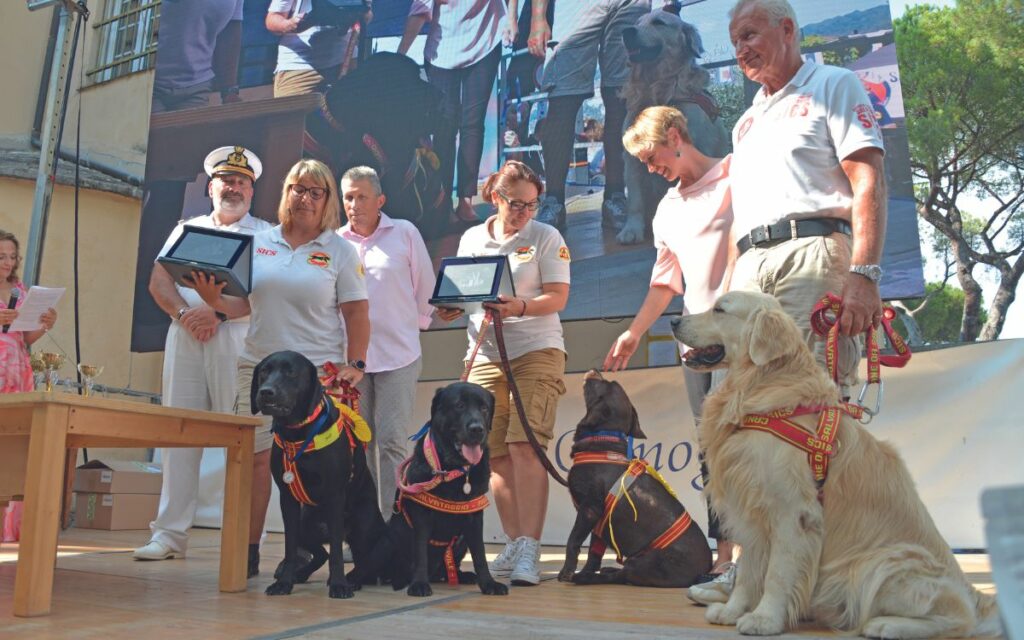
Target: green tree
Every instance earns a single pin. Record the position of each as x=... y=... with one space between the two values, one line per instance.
x=935 y=318
x=963 y=87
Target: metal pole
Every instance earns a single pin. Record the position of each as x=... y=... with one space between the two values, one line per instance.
x=52 y=116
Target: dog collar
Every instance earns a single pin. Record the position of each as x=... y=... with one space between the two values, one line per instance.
x=440 y=475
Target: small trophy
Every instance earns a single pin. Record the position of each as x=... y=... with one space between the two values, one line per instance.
x=51 y=362
x=89 y=373
x=38 y=369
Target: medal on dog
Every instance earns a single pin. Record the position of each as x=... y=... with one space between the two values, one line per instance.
x=466 y=488
x=288 y=477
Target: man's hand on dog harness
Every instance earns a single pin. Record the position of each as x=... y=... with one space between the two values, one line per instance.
x=862 y=305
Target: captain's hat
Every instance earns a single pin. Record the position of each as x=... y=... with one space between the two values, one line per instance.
x=233 y=160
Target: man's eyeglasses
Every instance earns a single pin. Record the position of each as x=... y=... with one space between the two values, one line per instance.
x=519 y=205
x=315 y=193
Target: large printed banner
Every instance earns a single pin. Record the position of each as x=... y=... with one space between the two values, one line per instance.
x=952 y=414
x=383 y=112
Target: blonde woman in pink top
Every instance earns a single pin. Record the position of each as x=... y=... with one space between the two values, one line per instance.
x=399 y=281
x=691 y=234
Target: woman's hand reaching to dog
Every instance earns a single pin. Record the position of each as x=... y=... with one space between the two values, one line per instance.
x=622 y=350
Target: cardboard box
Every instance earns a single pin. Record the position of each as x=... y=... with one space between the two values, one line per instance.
x=115 y=511
x=118 y=476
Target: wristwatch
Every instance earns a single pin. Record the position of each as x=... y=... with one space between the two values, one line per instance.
x=872 y=272
x=358 y=364
x=223 y=317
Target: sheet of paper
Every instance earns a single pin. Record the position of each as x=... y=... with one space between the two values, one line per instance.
x=37 y=301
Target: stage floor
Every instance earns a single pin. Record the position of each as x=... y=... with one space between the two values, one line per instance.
x=100 y=592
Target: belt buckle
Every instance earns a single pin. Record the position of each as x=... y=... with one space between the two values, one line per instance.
x=767 y=235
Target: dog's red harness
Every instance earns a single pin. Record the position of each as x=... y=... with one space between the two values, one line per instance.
x=820 y=446
x=419 y=492
x=345 y=398
x=635 y=468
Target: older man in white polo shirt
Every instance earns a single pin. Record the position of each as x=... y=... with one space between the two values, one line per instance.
x=808 y=182
x=201 y=352
x=808 y=190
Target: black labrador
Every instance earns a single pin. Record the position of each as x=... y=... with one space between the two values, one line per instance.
x=335 y=478
x=600 y=460
x=460 y=419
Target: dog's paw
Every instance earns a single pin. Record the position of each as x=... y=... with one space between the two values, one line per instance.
x=632 y=232
x=467 y=577
x=720 y=613
x=493 y=588
x=565 y=575
x=279 y=588
x=419 y=590
x=760 y=624
x=892 y=627
x=340 y=591
x=585 y=577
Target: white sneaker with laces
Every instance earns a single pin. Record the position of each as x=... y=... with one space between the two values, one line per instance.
x=156 y=550
x=526 y=571
x=502 y=566
x=718 y=590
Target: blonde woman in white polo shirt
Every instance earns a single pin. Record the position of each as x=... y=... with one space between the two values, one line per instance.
x=536 y=351
x=303 y=274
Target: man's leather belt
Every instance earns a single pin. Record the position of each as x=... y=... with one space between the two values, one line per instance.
x=791 y=230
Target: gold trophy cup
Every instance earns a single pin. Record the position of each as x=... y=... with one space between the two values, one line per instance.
x=89 y=373
x=51 y=362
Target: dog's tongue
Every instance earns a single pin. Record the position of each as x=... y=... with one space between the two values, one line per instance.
x=472 y=453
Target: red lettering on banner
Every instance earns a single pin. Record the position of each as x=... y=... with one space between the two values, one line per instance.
x=263 y=251
x=865 y=115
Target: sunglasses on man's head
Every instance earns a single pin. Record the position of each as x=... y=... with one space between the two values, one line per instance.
x=315 y=193
x=519 y=205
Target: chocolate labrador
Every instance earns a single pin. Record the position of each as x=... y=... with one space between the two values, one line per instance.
x=327 y=493
x=661 y=546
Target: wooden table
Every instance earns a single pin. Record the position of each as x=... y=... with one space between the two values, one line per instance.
x=37 y=428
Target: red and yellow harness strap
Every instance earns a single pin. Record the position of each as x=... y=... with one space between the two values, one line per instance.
x=460 y=507
x=634 y=469
x=349 y=422
x=819 y=446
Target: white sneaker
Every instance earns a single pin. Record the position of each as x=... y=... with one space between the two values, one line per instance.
x=718 y=590
x=502 y=566
x=156 y=550
x=526 y=572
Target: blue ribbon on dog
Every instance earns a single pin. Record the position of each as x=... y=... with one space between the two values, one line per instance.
x=422 y=432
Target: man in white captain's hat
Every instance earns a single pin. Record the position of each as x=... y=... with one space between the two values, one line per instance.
x=202 y=348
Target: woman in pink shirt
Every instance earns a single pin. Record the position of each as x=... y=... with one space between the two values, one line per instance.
x=399 y=281
x=15 y=370
x=691 y=234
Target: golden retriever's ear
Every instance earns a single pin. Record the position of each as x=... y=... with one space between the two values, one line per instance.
x=771 y=336
x=693 y=47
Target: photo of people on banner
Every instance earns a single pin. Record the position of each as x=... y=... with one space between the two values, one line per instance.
x=435 y=95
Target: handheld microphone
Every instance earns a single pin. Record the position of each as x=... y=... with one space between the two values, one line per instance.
x=10 y=305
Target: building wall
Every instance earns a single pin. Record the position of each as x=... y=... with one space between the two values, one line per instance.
x=108 y=238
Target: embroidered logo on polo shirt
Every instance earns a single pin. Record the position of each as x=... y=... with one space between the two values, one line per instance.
x=263 y=251
x=801 y=106
x=319 y=259
x=563 y=253
x=524 y=254
x=744 y=128
x=866 y=116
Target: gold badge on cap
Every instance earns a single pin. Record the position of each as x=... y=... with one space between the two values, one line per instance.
x=234 y=159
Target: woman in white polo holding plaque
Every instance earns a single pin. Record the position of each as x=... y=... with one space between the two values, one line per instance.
x=536 y=350
x=303 y=274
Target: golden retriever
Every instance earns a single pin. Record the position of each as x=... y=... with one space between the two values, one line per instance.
x=868 y=558
x=663 y=51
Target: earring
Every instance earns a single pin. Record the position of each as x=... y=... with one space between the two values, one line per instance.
x=678 y=154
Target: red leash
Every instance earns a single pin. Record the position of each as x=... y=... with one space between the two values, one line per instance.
x=824 y=322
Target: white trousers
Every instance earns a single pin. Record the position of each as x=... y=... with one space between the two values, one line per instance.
x=196 y=376
x=386 y=403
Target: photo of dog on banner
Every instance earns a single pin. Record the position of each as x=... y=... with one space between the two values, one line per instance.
x=764 y=225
